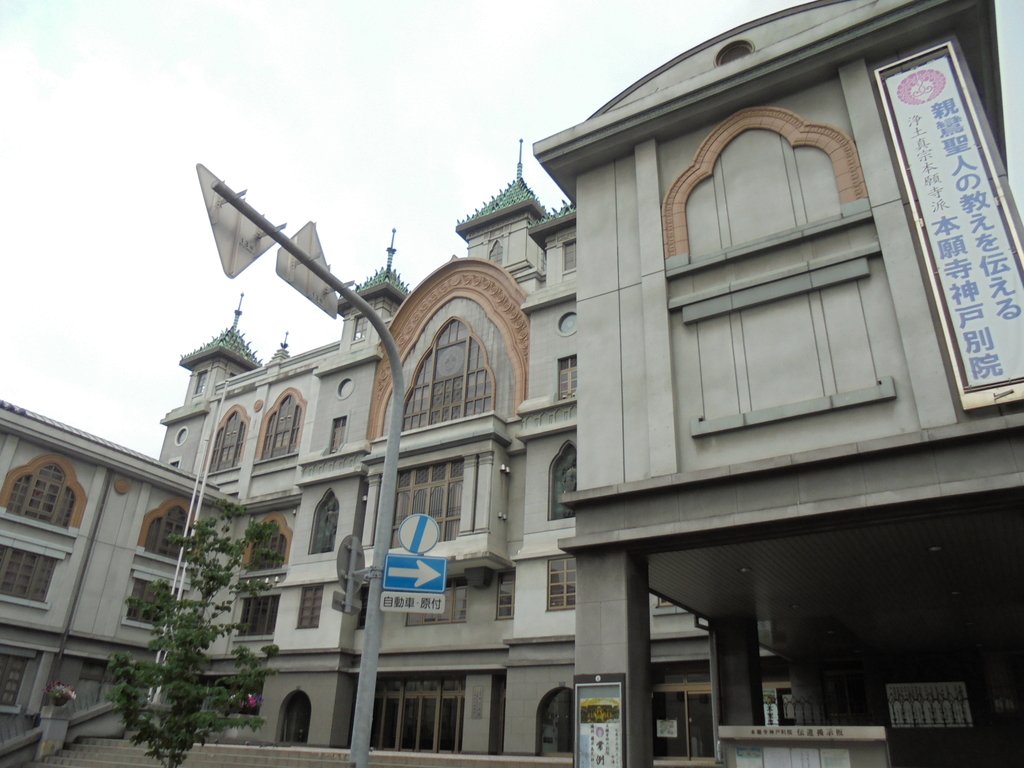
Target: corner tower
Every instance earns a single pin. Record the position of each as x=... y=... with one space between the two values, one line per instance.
x=227 y=354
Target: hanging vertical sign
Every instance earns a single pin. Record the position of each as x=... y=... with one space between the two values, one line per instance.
x=600 y=724
x=965 y=220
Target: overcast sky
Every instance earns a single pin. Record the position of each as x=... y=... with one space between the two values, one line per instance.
x=359 y=116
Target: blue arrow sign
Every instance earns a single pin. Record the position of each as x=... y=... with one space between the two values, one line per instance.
x=415 y=573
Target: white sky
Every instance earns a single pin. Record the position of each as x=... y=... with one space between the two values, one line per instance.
x=359 y=116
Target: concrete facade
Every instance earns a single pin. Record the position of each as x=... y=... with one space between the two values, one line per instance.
x=774 y=439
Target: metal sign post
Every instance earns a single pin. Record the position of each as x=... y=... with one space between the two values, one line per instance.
x=235 y=244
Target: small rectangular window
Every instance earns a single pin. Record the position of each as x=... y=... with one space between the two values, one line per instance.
x=569 y=256
x=506 y=595
x=309 y=606
x=360 y=329
x=12 y=672
x=259 y=615
x=338 y=433
x=567 y=377
x=561 y=584
x=25 y=574
x=201 y=382
x=455 y=609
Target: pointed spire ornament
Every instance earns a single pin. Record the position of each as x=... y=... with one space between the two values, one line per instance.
x=519 y=165
x=238 y=313
x=391 y=249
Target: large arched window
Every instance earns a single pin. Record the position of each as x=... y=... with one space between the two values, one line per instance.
x=452 y=379
x=160 y=525
x=325 y=525
x=563 y=480
x=227 y=447
x=283 y=427
x=45 y=490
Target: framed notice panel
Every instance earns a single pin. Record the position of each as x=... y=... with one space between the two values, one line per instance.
x=966 y=224
x=600 y=721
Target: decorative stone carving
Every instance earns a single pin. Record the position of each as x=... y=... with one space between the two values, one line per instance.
x=331 y=466
x=559 y=416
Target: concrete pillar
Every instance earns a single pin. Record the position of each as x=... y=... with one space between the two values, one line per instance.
x=739 y=671
x=341 y=713
x=808 y=697
x=613 y=636
x=53 y=720
x=370 y=517
x=477 y=719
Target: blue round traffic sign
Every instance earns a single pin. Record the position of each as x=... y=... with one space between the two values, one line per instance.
x=419 y=533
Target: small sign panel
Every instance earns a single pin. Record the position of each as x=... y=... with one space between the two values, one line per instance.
x=410 y=602
x=346 y=603
x=419 y=533
x=239 y=241
x=414 y=573
x=298 y=276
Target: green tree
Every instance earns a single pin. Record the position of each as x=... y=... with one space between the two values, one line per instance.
x=173 y=702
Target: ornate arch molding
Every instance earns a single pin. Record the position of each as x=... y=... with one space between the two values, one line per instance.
x=798 y=132
x=242 y=413
x=480 y=281
x=265 y=421
x=155 y=514
x=70 y=482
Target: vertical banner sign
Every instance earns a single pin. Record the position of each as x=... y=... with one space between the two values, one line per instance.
x=966 y=224
x=599 y=725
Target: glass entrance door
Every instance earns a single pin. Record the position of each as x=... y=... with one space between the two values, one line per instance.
x=683 y=724
x=418 y=715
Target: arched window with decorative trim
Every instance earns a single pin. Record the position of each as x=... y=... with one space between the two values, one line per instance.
x=274 y=553
x=227 y=446
x=562 y=480
x=160 y=526
x=452 y=380
x=283 y=427
x=325 y=525
x=46 y=490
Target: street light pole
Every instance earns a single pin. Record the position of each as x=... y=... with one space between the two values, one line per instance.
x=366 y=690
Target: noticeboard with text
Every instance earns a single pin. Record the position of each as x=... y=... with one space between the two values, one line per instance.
x=600 y=722
x=966 y=223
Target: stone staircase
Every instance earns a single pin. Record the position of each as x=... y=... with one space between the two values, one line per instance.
x=116 y=753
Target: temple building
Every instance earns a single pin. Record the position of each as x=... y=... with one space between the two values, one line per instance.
x=736 y=436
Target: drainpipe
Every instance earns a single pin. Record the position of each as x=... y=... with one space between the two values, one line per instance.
x=76 y=589
x=196 y=502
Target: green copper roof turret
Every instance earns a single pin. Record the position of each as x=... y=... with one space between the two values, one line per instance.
x=516 y=192
x=229 y=342
x=386 y=275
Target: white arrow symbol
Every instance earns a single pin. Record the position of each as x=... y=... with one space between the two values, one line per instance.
x=422 y=573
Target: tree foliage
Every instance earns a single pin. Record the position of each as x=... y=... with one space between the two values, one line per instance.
x=173 y=701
